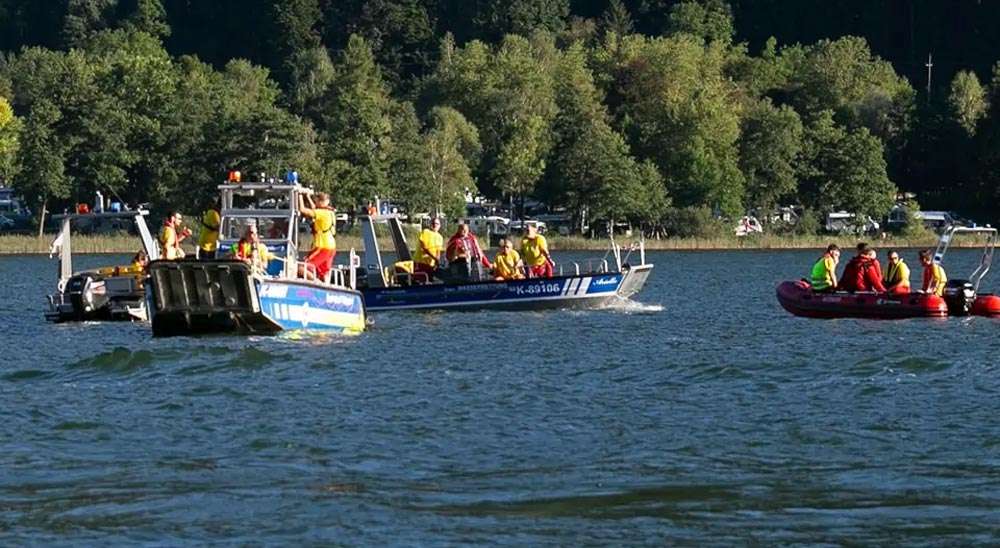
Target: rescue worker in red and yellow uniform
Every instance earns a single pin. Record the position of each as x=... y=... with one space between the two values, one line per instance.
x=427 y=256
x=251 y=250
x=208 y=236
x=934 y=275
x=324 y=247
x=171 y=237
x=507 y=264
x=535 y=252
x=897 y=275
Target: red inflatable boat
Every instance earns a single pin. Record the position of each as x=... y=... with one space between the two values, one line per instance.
x=986 y=305
x=799 y=299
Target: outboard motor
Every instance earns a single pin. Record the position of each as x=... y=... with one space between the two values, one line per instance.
x=86 y=293
x=959 y=295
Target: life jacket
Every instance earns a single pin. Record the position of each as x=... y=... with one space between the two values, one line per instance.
x=931 y=272
x=209 y=235
x=171 y=244
x=533 y=250
x=821 y=276
x=862 y=274
x=323 y=237
x=898 y=275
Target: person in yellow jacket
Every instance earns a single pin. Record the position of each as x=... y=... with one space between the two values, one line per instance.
x=324 y=231
x=823 y=276
x=251 y=250
x=171 y=237
x=934 y=275
x=427 y=257
x=507 y=265
x=208 y=236
x=535 y=251
x=897 y=275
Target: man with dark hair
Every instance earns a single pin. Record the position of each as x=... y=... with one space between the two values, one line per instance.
x=171 y=236
x=863 y=273
x=934 y=275
x=824 y=272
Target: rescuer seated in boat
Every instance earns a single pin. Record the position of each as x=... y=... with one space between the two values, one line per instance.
x=535 y=251
x=507 y=264
x=208 y=236
x=324 y=230
x=172 y=235
x=251 y=250
x=824 y=272
x=427 y=257
x=465 y=257
x=934 y=275
x=897 y=274
x=140 y=260
x=862 y=273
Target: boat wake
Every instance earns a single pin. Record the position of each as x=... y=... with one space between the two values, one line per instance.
x=628 y=306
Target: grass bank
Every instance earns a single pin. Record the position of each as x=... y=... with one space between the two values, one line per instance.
x=21 y=244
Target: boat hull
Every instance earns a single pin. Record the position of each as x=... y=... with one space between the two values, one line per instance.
x=214 y=297
x=576 y=291
x=986 y=305
x=799 y=299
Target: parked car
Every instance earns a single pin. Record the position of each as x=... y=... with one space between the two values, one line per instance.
x=842 y=222
x=933 y=220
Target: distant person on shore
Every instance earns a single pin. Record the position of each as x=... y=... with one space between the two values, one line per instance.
x=862 y=273
x=324 y=231
x=208 y=236
x=897 y=276
x=535 y=253
x=507 y=264
x=824 y=272
x=934 y=275
x=427 y=257
x=171 y=236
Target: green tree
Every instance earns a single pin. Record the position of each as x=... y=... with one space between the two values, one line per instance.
x=617 y=19
x=146 y=16
x=843 y=76
x=10 y=127
x=508 y=94
x=844 y=169
x=42 y=175
x=591 y=169
x=354 y=120
x=711 y=20
x=453 y=149
x=968 y=101
x=770 y=143
x=679 y=110
x=85 y=18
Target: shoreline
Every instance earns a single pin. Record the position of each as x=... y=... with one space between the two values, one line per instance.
x=118 y=244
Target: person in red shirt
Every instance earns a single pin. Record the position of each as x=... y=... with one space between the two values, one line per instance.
x=863 y=273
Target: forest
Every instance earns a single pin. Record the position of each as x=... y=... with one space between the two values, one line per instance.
x=654 y=112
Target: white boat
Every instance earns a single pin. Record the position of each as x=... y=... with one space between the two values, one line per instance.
x=110 y=293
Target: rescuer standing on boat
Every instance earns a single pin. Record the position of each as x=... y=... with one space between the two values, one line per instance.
x=535 y=251
x=428 y=254
x=171 y=237
x=934 y=275
x=897 y=277
x=824 y=273
x=324 y=248
x=208 y=236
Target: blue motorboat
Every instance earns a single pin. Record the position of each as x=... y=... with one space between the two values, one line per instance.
x=227 y=295
x=593 y=284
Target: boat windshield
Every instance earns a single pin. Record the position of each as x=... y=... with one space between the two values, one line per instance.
x=269 y=228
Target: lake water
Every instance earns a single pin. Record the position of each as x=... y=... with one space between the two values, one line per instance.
x=703 y=414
